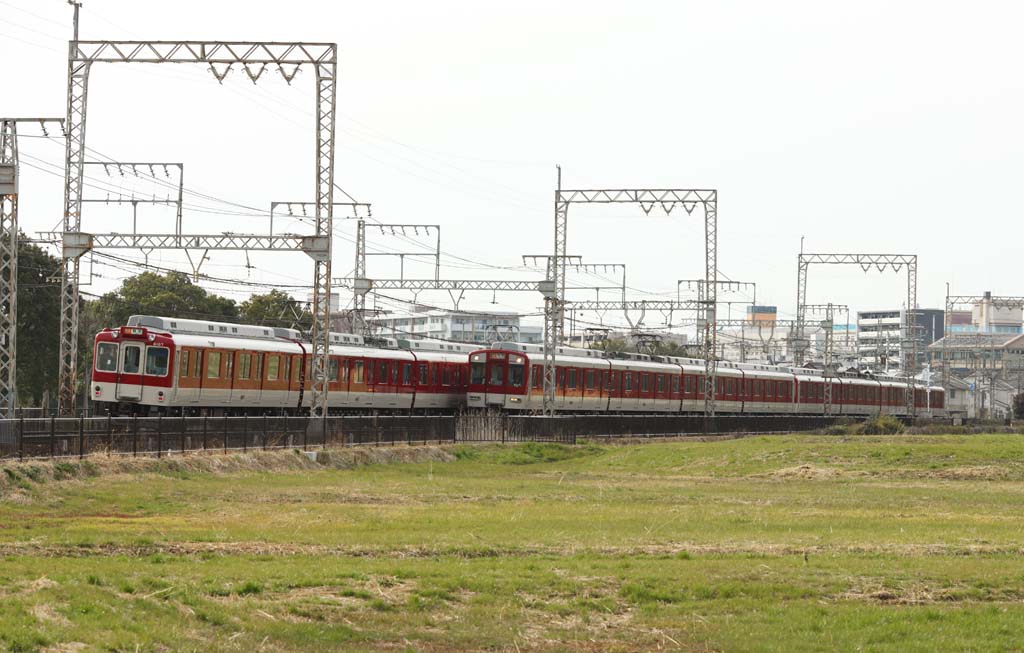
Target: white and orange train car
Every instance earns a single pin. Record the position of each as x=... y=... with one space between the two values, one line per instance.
x=174 y=366
x=509 y=376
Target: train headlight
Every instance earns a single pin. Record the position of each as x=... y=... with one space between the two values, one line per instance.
x=160 y=396
x=97 y=391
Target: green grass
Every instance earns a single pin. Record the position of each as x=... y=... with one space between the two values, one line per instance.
x=785 y=543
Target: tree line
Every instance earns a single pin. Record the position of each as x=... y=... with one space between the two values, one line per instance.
x=148 y=293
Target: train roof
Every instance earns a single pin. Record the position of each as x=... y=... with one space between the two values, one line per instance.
x=208 y=328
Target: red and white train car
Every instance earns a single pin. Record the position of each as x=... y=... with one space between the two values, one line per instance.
x=167 y=365
x=510 y=376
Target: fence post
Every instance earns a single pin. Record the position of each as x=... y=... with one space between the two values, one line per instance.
x=408 y=436
x=135 y=435
x=245 y=432
x=323 y=431
x=265 y=431
x=305 y=437
x=502 y=425
x=110 y=434
x=21 y=438
x=184 y=430
x=81 y=437
x=53 y=436
x=159 y=435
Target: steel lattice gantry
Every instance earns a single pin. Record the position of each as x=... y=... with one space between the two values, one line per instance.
x=254 y=58
x=952 y=302
x=9 y=257
x=441 y=284
x=866 y=262
x=648 y=199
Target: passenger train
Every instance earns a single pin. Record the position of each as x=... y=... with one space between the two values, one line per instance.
x=509 y=376
x=192 y=367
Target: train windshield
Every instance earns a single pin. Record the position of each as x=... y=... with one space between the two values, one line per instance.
x=497 y=374
x=106 y=357
x=477 y=369
x=516 y=373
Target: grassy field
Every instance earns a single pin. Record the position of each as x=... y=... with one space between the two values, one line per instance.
x=782 y=543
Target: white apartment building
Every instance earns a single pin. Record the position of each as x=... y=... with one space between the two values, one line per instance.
x=459 y=326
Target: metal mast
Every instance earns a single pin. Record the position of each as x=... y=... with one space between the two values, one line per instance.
x=8 y=266
x=254 y=58
x=9 y=257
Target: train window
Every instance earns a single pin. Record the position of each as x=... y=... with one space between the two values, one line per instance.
x=643 y=383
x=333 y=372
x=497 y=376
x=732 y=386
x=106 y=357
x=213 y=364
x=424 y=374
x=661 y=383
x=477 y=372
x=517 y=375
x=394 y=374
x=572 y=379
x=229 y=366
x=589 y=379
x=688 y=384
x=628 y=381
x=343 y=369
x=156 y=361
x=273 y=367
x=446 y=378
x=675 y=384
x=382 y=372
x=183 y=363
x=132 y=359
x=357 y=371
x=285 y=367
x=433 y=373
x=538 y=377
x=244 y=366
x=610 y=382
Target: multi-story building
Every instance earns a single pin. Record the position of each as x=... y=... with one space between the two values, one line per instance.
x=882 y=336
x=459 y=326
x=990 y=318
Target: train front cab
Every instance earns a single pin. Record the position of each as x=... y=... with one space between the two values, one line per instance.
x=132 y=366
x=497 y=379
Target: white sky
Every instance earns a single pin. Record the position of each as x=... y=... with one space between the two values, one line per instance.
x=870 y=127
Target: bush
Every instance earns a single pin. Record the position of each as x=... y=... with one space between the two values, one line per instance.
x=881 y=425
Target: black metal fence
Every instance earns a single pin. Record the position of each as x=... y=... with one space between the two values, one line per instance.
x=37 y=437
x=80 y=436
x=568 y=428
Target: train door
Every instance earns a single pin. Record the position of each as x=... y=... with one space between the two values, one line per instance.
x=129 y=377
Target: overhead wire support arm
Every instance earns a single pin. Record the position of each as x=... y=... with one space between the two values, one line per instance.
x=255 y=58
